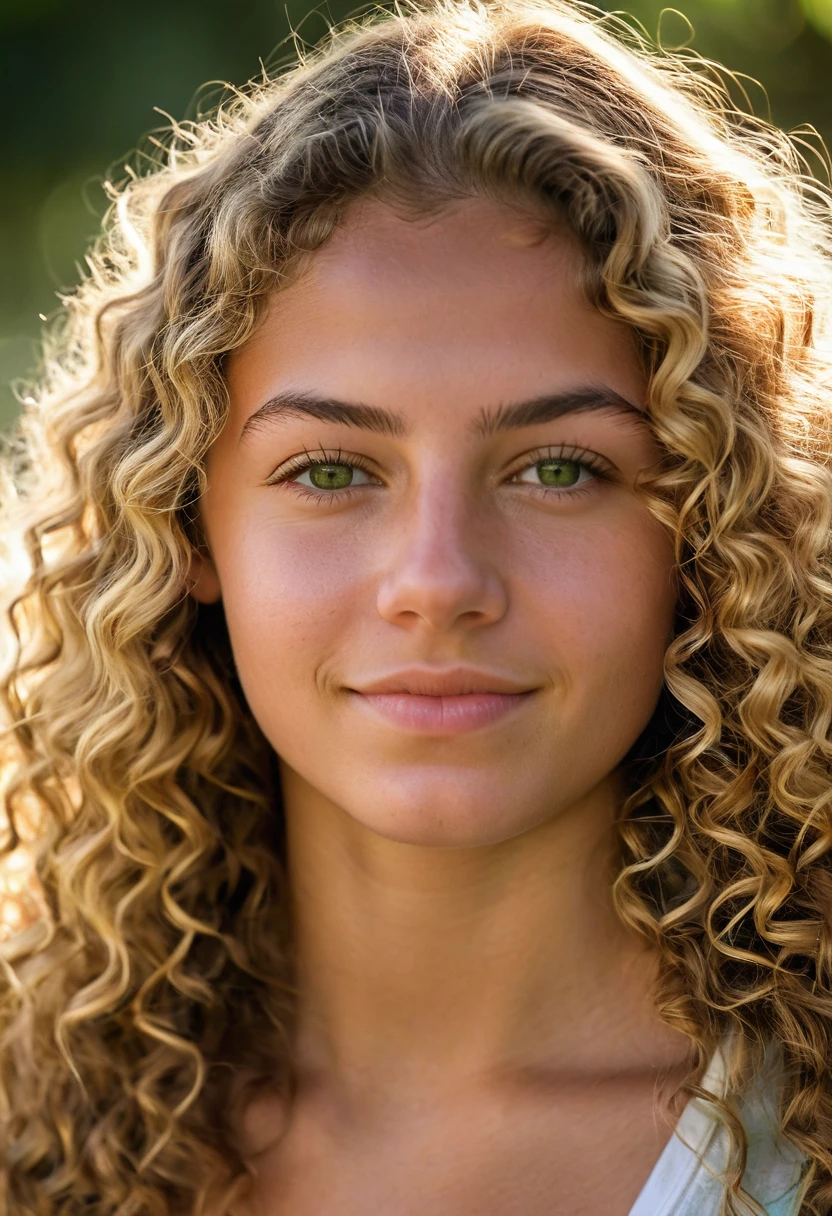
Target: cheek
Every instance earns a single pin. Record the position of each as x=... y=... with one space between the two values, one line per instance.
x=591 y=610
x=604 y=599
x=289 y=593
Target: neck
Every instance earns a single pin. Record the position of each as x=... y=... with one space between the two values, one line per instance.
x=435 y=968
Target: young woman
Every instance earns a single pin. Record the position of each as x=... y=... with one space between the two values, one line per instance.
x=419 y=682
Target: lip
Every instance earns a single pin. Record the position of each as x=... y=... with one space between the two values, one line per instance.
x=443 y=682
x=442 y=715
x=433 y=701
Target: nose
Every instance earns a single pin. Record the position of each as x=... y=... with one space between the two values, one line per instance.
x=441 y=570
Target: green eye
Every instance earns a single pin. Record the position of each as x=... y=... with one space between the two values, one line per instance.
x=563 y=473
x=330 y=476
x=321 y=479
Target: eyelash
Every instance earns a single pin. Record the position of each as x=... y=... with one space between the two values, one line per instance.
x=591 y=461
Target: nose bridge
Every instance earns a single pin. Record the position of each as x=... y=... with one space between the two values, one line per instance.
x=441 y=560
x=442 y=511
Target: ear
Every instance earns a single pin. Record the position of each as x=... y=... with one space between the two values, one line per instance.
x=202 y=580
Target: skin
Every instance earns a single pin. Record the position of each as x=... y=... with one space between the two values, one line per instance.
x=474 y=1019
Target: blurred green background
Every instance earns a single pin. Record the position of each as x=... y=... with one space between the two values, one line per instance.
x=79 y=81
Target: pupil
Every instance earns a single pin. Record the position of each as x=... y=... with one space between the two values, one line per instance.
x=330 y=476
x=559 y=472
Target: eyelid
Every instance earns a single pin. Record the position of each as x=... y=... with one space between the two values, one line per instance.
x=559 y=451
x=594 y=461
x=300 y=463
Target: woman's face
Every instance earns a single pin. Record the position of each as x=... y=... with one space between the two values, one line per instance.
x=381 y=501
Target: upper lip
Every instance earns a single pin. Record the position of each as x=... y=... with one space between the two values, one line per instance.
x=447 y=682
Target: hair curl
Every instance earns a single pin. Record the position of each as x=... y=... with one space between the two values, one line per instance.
x=159 y=972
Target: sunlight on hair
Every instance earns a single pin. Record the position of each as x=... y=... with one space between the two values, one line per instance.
x=21 y=902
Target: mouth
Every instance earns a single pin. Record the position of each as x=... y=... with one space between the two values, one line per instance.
x=451 y=714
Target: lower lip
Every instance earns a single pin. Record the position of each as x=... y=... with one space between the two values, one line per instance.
x=443 y=715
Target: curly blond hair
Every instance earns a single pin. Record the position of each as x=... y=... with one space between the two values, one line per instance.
x=158 y=973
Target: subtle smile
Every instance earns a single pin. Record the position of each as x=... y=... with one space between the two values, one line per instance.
x=442 y=715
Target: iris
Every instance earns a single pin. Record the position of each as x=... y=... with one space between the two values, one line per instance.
x=330 y=476
x=559 y=472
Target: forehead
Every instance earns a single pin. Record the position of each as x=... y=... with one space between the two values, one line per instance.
x=392 y=304
x=482 y=255
x=377 y=238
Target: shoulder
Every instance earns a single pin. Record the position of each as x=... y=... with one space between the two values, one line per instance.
x=775 y=1166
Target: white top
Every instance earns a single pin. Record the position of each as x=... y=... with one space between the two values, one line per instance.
x=686 y=1178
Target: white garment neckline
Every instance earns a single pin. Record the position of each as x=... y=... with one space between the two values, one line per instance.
x=681 y=1157
x=687 y=1178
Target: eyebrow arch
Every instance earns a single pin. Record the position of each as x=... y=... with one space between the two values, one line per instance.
x=294 y=403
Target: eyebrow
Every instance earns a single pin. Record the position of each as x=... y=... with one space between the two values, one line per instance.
x=488 y=422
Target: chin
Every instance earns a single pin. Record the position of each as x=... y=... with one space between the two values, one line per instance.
x=451 y=826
